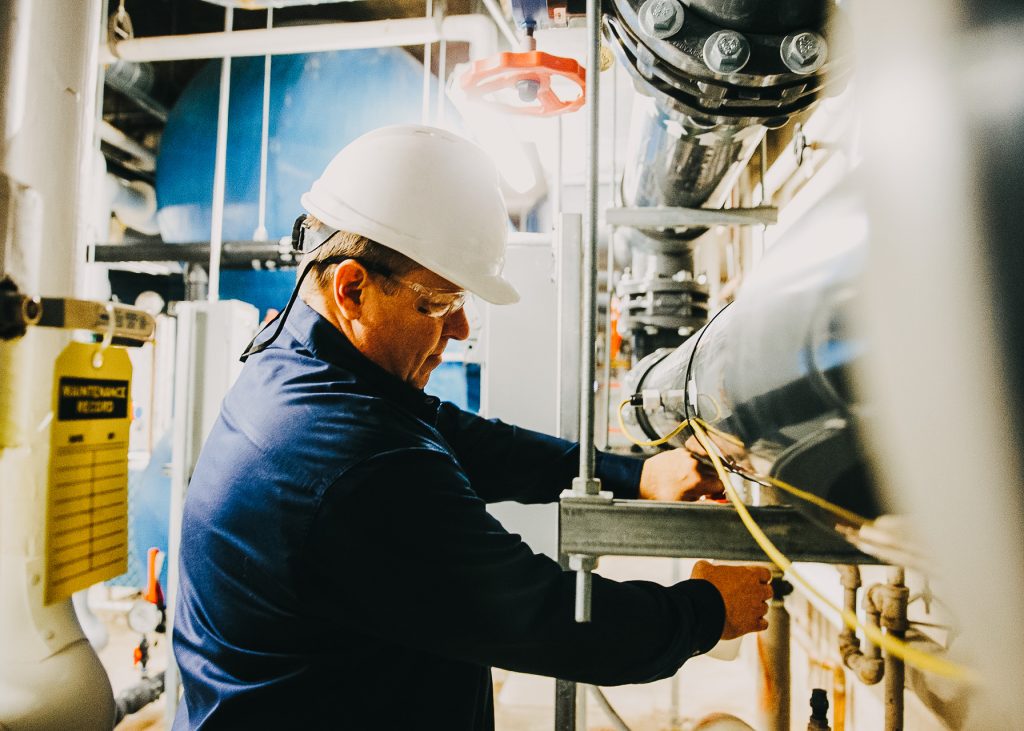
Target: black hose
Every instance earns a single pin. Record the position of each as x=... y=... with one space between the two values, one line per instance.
x=134 y=699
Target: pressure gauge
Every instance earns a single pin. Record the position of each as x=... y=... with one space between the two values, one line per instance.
x=144 y=616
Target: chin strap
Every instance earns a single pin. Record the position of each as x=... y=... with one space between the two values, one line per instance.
x=298 y=239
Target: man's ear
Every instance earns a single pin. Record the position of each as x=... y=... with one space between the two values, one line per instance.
x=349 y=288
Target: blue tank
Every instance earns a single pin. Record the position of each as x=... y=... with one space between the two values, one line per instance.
x=318 y=103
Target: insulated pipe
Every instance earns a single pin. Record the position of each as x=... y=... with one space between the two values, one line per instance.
x=796 y=412
x=476 y=30
x=49 y=675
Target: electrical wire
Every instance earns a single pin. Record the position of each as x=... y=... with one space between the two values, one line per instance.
x=895 y=647
x=838 y=511
x=653 y=443
x=820 y=502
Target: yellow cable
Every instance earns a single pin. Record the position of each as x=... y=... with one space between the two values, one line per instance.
x=910 y=655
x=822 y=503
x=847 y=515
x=654 y=443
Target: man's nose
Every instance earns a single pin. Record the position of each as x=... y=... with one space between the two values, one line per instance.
x=456 y=325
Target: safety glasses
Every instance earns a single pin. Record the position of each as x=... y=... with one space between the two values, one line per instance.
x=432 y=302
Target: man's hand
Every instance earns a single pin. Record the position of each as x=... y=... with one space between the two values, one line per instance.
x=675 y=475
x=744 y=589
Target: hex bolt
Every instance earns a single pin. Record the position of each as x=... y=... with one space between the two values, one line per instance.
x=726 y=51
x=661 y=18
x=804 y=52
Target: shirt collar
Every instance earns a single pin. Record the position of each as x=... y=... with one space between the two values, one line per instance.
x=329 y=344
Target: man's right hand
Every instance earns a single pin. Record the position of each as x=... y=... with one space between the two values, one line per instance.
x=744 y=589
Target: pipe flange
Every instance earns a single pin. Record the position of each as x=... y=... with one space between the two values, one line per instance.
x=661 y=18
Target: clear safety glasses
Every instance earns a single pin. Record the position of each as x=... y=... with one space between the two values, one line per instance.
x=432 y=302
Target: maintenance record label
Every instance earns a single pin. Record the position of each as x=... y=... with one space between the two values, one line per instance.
x=87 y=494
x=90 y=398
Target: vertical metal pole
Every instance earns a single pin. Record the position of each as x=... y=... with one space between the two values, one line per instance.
x=220 y=169
x=675 y=721
x=764 y=192
x=610 y=267
x=427 y=47
x=588 y=334
x=442 y=63
x=556 y=198
x=565 y=705
x=581 y=707
x=261 y=226
x=586 y=486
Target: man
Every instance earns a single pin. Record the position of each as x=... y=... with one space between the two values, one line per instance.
x=338 y=566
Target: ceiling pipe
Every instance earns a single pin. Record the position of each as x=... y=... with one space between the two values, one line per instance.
x=494 y=8
x=116 y=138
x=476 y=30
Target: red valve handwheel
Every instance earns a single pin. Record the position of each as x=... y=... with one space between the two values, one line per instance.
x=507 y=70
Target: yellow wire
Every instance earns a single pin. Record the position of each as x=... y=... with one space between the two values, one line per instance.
x=654 y=443
x=847 y=515
x=840 y=512
x=910 y=655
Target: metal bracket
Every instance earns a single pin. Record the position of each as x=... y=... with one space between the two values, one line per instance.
x=18 y=312
x=587 y=491
x=695 y=530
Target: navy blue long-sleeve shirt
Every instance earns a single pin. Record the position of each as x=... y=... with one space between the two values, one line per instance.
x=339 y=569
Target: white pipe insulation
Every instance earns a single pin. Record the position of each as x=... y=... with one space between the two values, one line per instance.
x=476 y=30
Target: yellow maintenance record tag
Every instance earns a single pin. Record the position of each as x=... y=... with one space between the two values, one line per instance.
x=87 y=499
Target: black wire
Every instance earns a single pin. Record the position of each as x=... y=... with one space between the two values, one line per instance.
x=279 y=318
x=298 y=237
x=689 y=370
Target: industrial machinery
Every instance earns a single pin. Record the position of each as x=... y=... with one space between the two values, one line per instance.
x=866 y=370
x=711 y=78
x=775 y=369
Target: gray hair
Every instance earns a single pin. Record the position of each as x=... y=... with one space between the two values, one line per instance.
x=341 y=245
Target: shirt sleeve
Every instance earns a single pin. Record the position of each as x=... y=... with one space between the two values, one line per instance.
x=417 y=560
x=506 y=462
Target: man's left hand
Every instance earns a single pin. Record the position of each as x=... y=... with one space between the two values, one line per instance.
x=675 y=475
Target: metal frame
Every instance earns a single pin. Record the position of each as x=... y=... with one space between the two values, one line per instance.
x=697 y=530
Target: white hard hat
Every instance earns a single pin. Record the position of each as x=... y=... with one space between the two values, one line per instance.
x=426 y=193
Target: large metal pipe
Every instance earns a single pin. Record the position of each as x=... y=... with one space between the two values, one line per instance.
x=49 y=675
x=775 y=368
x=708 y=93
